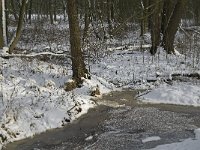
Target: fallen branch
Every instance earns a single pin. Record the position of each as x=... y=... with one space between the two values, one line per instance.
x=7 y=56
x=190 y=75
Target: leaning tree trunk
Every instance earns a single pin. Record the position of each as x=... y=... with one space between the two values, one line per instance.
x=155 y=24
x=16 y=37
x=78 y=65
x=172 y=26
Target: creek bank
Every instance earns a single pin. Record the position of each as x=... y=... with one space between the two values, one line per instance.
x=119 y=122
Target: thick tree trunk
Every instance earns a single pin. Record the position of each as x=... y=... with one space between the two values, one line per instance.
x=168 y=8
x=165 y=17
x=155 y=24
x=78 y=65
x=172 y=26
x=16 y=37
x=196 y=5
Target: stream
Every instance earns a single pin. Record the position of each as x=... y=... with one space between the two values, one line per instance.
x=119 y=122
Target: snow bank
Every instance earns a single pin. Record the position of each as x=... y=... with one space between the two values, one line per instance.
x=179 y=93
x=33 y=99
x=188 y=144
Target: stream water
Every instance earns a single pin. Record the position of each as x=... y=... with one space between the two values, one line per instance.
x=119 y=122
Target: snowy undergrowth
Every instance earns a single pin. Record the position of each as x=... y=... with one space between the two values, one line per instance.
x=132 y=68
x=34 y=101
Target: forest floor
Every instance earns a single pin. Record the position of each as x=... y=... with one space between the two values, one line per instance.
x=33 y=100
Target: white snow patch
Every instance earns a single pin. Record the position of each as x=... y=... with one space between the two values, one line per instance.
x=152 y=138
x=188 y=144
x=179 y=93
x=89 y=138
x=34 y=100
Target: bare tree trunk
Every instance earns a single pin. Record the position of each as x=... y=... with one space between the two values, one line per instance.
x=155 y=24
x=4 y=21
x=30 y=11
x=16 y=37
x=64 y=9
x=87 y=21
x=168 y=8
x=13 y=4
x=144 y=19
x=78 y=65
x=172 y=26
x=196 y=5
x=54 y=10
x=109 y=15
x=50 y=11
x=196 y=13
x=1 y=26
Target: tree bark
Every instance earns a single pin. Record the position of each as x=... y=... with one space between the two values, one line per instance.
x=14 y=9
x=51 y=11
x=86 y=21
x=54 y=11
x=109 y=15
x=165 y=17
x=144 y=19
x=64 y=9
x=1 y=26
x=4 y=21
x=155 y=24
x=78 y=65
x=30 y=11
x=16 y=37
x=172 y=26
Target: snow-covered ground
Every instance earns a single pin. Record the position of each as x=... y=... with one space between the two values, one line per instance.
x=188 y=144
x=133 y=68
x=178 y=93
x=33 y=100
